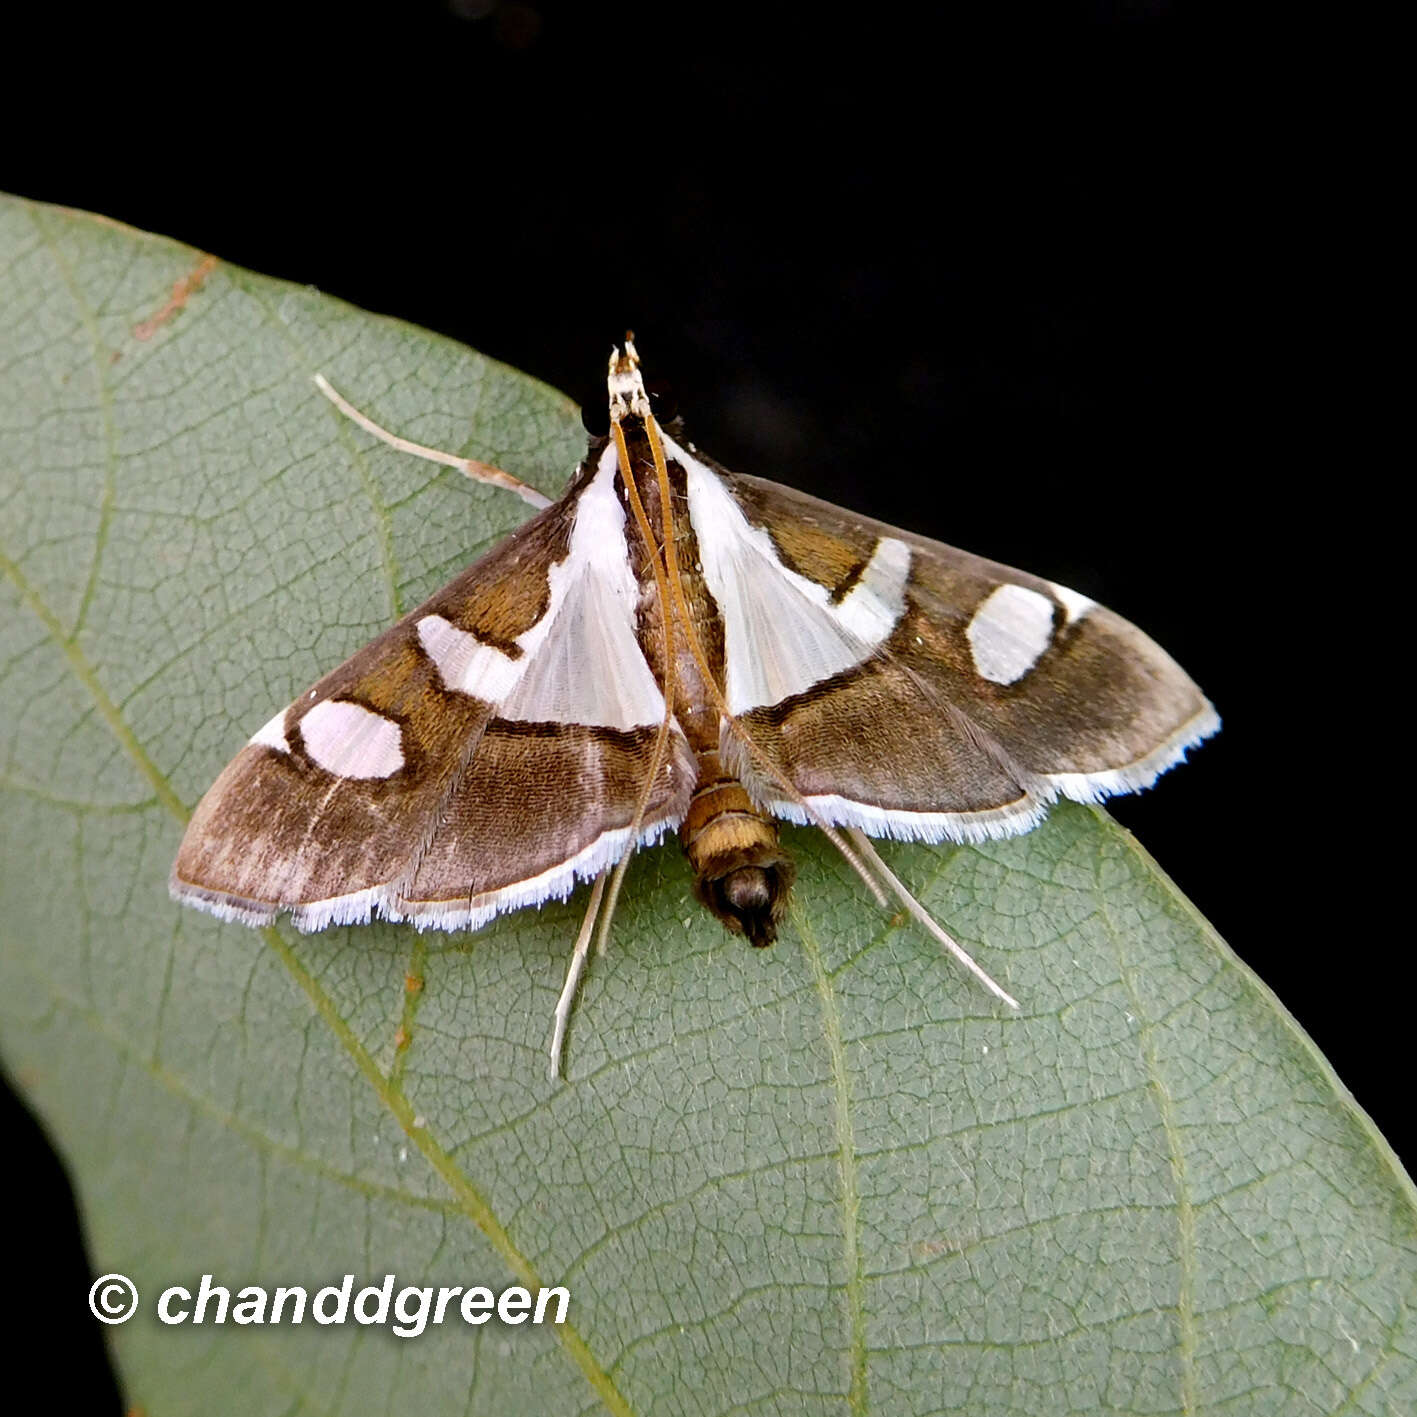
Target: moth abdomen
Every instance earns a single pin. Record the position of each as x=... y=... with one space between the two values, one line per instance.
x=741 y=873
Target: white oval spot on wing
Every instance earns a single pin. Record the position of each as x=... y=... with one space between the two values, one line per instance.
x=352 y=741
x=1009 y=631
x=272 y=735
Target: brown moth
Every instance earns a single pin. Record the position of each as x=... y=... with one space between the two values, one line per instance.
x=670 y=645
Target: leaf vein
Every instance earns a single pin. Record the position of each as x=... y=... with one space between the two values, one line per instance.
x=857 y=1397
x=1185 y=1212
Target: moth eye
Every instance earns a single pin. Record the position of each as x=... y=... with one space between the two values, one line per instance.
x=663 y=400
x=595 y=418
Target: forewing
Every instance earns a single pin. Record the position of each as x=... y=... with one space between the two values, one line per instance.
x=939 y=695
x=484 y=753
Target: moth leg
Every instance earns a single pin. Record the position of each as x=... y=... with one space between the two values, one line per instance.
x=579 y=954
x=470 y=467
x=869 y=853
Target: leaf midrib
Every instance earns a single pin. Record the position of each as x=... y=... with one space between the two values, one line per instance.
x=1184 y=1308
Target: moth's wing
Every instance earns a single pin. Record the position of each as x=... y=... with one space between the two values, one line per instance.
x=481 y=755
x=918 y=691
x=543 y=805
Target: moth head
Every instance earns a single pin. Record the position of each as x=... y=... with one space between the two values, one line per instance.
x=624 y=384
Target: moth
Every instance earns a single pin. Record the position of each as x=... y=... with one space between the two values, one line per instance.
x=673 y=646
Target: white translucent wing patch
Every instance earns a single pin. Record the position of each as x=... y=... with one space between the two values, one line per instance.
x=581 y=662
x=782 y=634
x=589 y=667
x=272 y=734
x=1009 y=632
x=465 y=663
x=349 y=740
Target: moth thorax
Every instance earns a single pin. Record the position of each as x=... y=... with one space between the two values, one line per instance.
x=741 y=872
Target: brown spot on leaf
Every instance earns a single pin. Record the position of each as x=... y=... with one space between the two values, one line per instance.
x=925 y=1250
x=182 y=292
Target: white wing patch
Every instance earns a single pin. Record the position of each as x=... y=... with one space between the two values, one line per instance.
x=1075 y=605
x=350 y=740
x=782 y=634
x=272 y=734
x=580 y=663
x=465 y=663
x=1010 y=630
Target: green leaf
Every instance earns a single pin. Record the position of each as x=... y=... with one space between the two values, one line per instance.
x=833 y=1176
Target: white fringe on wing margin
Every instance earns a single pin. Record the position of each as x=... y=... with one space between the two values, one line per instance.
x=235 y=909
x=356 y=908
x=558 y=882
x=1015 y=818
x=990 y=825
x=554 y=884
x=359 y=907
x=1094 y=786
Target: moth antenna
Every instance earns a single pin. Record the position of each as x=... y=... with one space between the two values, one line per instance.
x=670 y=676
x=574 y=971
x=676 y=587
x=582 y=946
x=902 y=892
x=581 y=949
x=623 y=864
x=470 y=467
x=617 y=877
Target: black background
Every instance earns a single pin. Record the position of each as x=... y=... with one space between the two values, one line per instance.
x=1021 y=280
